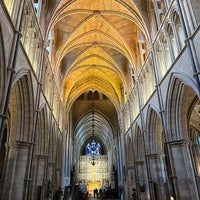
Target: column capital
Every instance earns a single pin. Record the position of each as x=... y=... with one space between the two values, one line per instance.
x=18 y=143
x=41 y=156
x=139 y=162
x=152 y=155
x=178 y=142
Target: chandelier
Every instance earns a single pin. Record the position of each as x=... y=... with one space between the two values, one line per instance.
x=93 y=161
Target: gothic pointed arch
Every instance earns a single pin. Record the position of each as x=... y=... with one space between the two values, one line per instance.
x=20 y=133
x=42 y=132
x=179 y=29
x=21 y=107
x=182 y=92
x=181 y=108
x=154 y=135
x=139 y=150
x=156 y=153
x=129 y=150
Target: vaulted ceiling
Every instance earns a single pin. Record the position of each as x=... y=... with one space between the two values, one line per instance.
x=96 y=47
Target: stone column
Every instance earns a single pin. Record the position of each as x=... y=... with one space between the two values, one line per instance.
x=51 y=179
x=183 y=171
x=38 y=183
x=157 y=175
x=16 y=170
x=141 y=180
x=51 y=171
x=195 y=156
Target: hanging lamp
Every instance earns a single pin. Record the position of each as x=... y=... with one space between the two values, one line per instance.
x=93 y=162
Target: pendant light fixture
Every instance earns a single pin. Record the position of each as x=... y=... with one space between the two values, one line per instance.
x=93 y=162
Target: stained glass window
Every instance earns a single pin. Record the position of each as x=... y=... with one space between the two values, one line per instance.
x=93 y=149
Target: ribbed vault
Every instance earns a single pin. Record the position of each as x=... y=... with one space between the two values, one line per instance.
x=95 y=49
x=101 y=129
x=97 y=39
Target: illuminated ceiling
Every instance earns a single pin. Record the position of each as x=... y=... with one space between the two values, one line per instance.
x=96 y=45
x=96 y=48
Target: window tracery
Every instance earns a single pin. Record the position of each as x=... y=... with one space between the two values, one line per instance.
x=31 y=39
x=142 y=46
x=179 y=30
x=50 y=43
x=172 y=41
x=93 y=148
x=161 y=9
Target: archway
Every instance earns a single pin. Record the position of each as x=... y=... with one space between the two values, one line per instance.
x=156 y=157
x=94 y=153
x=182 y=120
x=20 y=136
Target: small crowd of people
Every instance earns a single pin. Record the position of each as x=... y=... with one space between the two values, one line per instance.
x=98 y=193
x=95 y=192
x=58 y=194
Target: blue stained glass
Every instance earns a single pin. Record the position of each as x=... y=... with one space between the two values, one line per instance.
x=36 y=6
x=93 y=149
x=98 y=148
x=88 y=149
x=93 y=146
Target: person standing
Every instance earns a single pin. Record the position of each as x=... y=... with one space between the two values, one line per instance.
x=94 y=191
